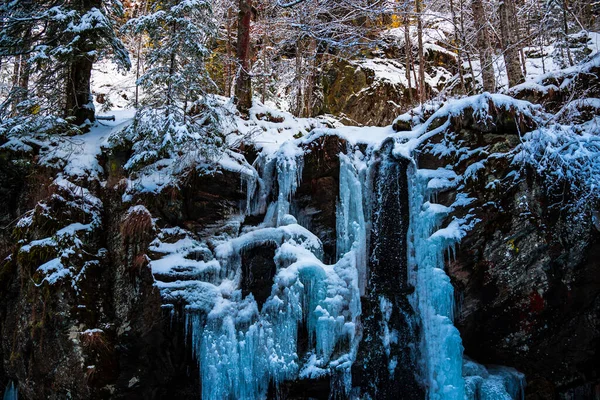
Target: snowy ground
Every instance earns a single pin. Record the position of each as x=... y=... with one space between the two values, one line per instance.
x=81 y=152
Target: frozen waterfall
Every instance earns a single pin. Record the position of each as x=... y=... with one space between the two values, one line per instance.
x=243 y=349
x=377 y=322
x=441 y=345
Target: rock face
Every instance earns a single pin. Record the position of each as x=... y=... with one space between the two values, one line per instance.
x=107 y=335
x=355 y=95
x=316 y=198
x=529 y=283
x=527 y=275
x=374 y=91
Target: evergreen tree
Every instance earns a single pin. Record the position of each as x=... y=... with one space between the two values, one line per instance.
x=176 y=108
x=178 y=33
x=58 y=42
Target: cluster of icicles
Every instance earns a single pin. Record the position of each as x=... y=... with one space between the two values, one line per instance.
x=242 y=349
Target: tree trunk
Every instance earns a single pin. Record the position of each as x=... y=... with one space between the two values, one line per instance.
x=311 y=78
x=566 y=31
x=79 y=103
x=20 y=83
x=408 y=51
x=228 y=53
x=170 y=95
x=467 y=53
x=422 y=89
x=21 y=73
x=140 y=39
x=265 y=76
x=299 y=99
x=508 y=32
x=483 y=45
x=458 y=42
x=243 y=83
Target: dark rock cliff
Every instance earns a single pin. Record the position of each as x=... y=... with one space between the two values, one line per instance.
x=527 y=276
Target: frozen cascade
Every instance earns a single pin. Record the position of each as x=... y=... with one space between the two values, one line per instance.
x=11 y=392
x=247 y=346
x=242 y=349
x=259 y=186
x=350 y=218
x=284 y=168
x=387 y=362
x=441 y=344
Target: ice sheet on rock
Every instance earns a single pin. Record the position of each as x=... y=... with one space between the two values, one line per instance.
x=11 y=392
x=283 y=168
x=242 y=348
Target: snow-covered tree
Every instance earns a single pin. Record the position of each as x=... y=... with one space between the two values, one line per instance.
x=176 y=109
x=178 y=33
x=57 y=42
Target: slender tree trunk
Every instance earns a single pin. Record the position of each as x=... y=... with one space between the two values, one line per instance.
x=243 y=84
x=422 y=89
x=508 y=32
x=414 y=71
x=170 y=95
x=21 y=73
x=408 y=51
x=483 y=45
x=20 y=81
x=299 y=99
x=311 y=78
x=566 y=31
x=138 y=63
x=265 y=73
x=137 y=70
x=523 y=60
x=458 y=42
x=467 y=53
x=229 y=55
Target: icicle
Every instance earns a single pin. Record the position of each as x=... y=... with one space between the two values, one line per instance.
x=289 y=174
x=11 y=392
x=253 y=184
x=243 y=350
x=259 y=186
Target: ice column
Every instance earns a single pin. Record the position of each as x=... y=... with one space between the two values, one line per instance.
x=441 y=345
x=350 y=219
